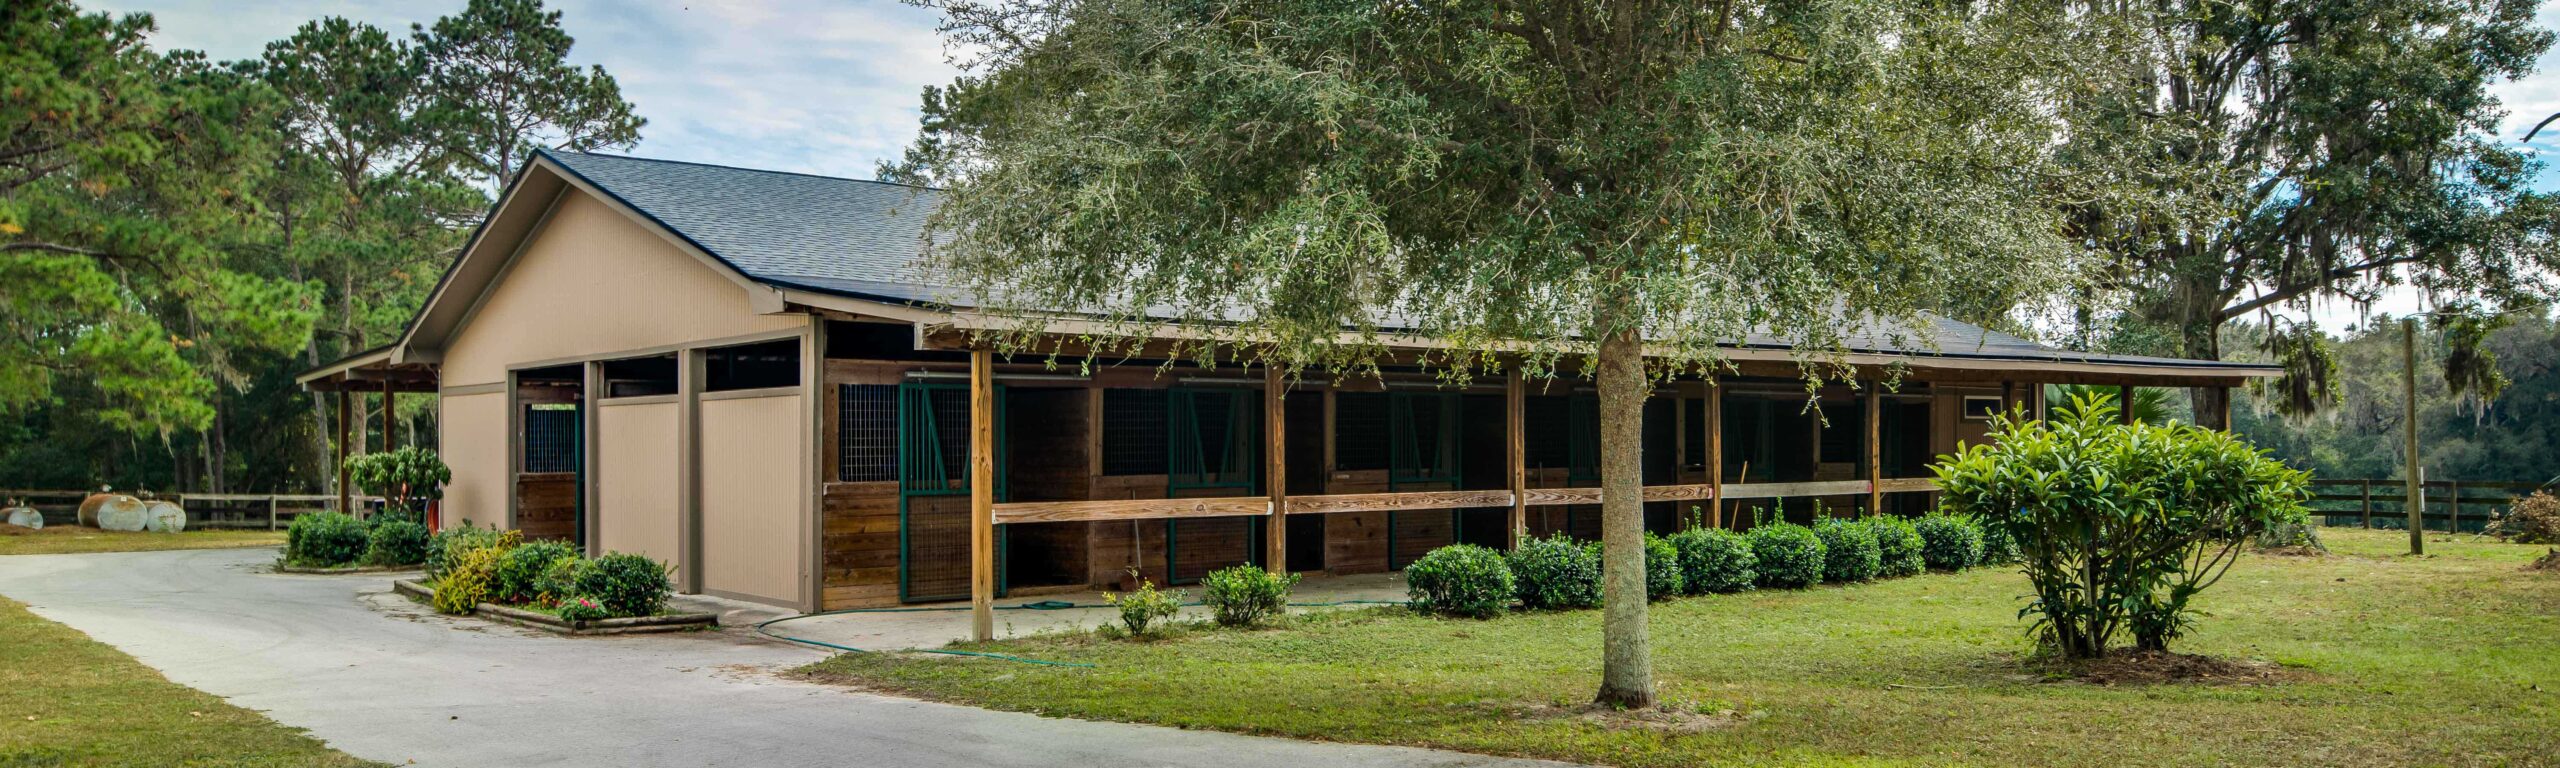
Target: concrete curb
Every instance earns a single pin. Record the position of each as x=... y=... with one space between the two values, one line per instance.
x=369 y=569
x=679 y=622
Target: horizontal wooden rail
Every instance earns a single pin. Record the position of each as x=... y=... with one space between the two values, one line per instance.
x=1392 y=502
x=1322 y=504
x=1129 y=509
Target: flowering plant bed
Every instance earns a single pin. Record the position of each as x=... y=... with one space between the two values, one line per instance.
x=550 y=622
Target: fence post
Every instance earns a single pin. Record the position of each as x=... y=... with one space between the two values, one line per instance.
x=271 y=511
x=2368 y=504
x=2452 y=507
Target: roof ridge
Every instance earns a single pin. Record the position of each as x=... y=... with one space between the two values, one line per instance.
x=555 y=153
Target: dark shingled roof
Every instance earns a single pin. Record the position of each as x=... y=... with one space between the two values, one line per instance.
x=861 y=239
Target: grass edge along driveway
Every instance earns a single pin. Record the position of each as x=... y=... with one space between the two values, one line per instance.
x=69 y=700
x=73 y=540
x=2453 y=659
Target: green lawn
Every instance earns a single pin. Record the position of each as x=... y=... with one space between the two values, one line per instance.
x=2449 y=660
x=64 y=540
x=66 y=700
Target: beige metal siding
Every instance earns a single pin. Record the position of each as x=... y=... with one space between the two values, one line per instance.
x=754 y=540
x=592 y=281
x=636 y=479
x=472 y=439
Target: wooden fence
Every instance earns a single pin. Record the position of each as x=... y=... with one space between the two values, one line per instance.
x=271 y=511
x=2449 y=505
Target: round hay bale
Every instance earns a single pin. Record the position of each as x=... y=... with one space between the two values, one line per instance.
x=122 y=513
x=25 y=517
x=163 y=517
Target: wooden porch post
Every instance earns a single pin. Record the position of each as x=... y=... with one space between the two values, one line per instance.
x=346 y=416
x=1715 y=452
x=1875 y=452
x=1275 y=431
x=1515 y=453
x=2124 y=404
x=982 y=495
x=2225 y=417
x=390 y=417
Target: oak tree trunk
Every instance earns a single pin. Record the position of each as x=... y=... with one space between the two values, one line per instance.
x=1626 y=672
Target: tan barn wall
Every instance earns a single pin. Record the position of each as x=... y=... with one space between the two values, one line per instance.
x=636 y=479
x=472 y=439
x=593 y=281
x=754 y=537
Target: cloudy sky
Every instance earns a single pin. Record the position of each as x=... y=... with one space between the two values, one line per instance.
x=822 y=86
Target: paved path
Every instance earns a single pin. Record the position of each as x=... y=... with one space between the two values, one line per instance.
x=381 y=678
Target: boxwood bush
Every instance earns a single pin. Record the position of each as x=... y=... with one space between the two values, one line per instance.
x=1714 y=560
x=520 y=569
x=1898 y=545
x=1459 y=580
x=1662 y=577
x=1849 y=549
x=1555 y=572
x=325 y=540
x=627 y=584
x=1786 y=555
x=396 y=542
x=1245 y=595
x=1948 y=542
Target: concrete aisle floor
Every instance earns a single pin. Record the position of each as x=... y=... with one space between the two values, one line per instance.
x=934 y=625
x=384 y=679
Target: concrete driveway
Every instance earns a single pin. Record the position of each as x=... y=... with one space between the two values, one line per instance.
x=383 y=679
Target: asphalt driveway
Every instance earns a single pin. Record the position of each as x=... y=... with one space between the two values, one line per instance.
x=384 y=679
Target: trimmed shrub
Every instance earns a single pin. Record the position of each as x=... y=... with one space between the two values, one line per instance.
x=1245 y=595
x=1714 y=560
x=1145 y=609
x=1555 y=572
x=448 y=545
x=1948 y=542
x=519 y=568
x=1786 y=555
x=559 y=581
x=1997 y=547
x=578 y=609
x=467 y=581
x=1662 y=577
x=1898 y=545
x=325 y=540
x=1460 y=580
x=396 y=542
x=1849 y=549
x=626 y=584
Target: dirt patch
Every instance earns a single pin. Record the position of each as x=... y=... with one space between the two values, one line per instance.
x=1664 y=719
x=2159 y=668
x=2295 y=551
x=2548 y=563
x=50 y=530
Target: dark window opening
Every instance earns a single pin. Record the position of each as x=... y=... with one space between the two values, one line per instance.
x=1133 y=431
x=1695 y=434
x=1844 y=434
x=1360 y=439
x=880 y=341
x=752 y=366
x=866 y=433
x=551 y=437
x=1546 y=420
x=640 y=376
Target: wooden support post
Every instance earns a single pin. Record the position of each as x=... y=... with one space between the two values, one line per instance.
x=1715 y=451
x=390 y=417
x=2368 y=504
x=2008 y=396
x=2452 y=507
x=1515 y=452
x=2124 y=404
x=1275 y=444
x=346 y=417
x=2225 y=415
x=271 y=512
x=1875 y=453
x=2417 y=499
x=982 y=495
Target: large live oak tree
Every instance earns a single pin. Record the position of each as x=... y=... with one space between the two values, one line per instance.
x=1606 y=180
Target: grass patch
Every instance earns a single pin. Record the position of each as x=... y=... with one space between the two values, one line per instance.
x=2453 y=659
x=70 y=540
x=67 y=700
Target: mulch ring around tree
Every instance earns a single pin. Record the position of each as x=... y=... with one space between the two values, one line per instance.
x=1668 y=718
x=2127 y=667
x=2548 y=563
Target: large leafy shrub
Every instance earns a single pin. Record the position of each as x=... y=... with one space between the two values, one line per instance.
x=1146 y=609
x=627 y=584
x=520 y=569
x=1244 y=595
x=1786 y=555
x=2119 y=526
x=559 y=581
x=1662 y=576
x=396 y=542
x=1714 y=560
x=1555 y=572
x=2533 y=519
x=1898 y=546
x=1997 y=547
x=467 y=580
x=1849 y=549
x=1948 y=542
x=407 y=479
x=448 y=545
x=325 y=540
x=1459 y=580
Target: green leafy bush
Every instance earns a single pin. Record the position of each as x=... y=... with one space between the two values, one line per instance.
x=1662 y=577
x=1245 y=595
x=2119 y=526
x=1997 y=547
x=1850 y=552
x=520 y=568
x=1555 y=572
x=396 y=542
x=1948 y=542
x=1898 y=546
x=559 y=581
x=626 y=584
x=1460 y=580
x=1786 y=555
x=1714 y=560
x=467 y=581
x=406 y=479
x=582 y=609
x=1145 y=610
x=325 y=540
x=448 y=545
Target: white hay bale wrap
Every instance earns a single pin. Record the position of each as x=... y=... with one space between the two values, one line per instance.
x=160 y=516
x=25 y=517
x=122 y=513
